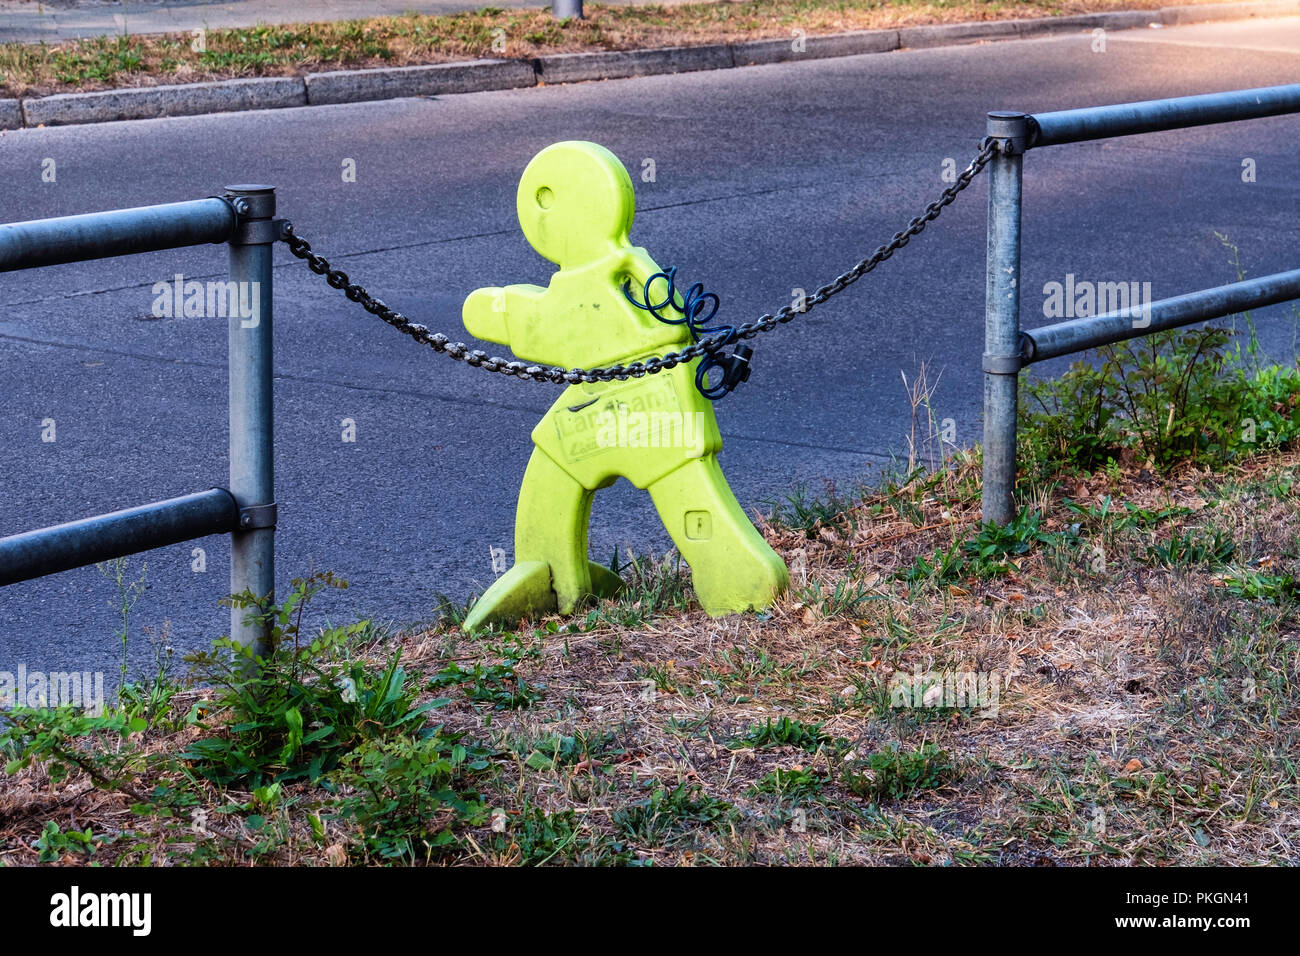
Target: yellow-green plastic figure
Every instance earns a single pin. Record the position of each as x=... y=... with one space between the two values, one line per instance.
x=575 y=205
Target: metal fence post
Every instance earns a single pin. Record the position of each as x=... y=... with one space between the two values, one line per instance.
x=252 y=550
x=1002 y=316
x=563 y=9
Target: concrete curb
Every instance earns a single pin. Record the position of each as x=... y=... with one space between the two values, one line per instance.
x=1173 y=16
x=357 y=86
x=948 y=34
x=576 y=67
x=11 y=114
x=1118 y=20
x=758 y=52
x=225 y=96
x=354 y=86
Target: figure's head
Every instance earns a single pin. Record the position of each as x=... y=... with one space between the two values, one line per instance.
x=575 y=203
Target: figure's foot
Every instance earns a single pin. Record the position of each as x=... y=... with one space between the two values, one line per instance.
x=523 y=591
x=604 y=582
x=753 y=585
x=526 y=590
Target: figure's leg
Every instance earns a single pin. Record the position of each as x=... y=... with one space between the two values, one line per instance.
x=551 y=527
x=732 y=567
x=551 y=569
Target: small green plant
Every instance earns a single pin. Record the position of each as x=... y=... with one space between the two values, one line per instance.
x=559 y=750
x=947 y=564
x=128 y=595
x=1072 y=421
x=451 y=610
x=1127 y=515
x=535 y=837
x=795 y=785
x=687 y=727
x=995 y=546
x=512 y=647
x=651 y=588
x=1113 y=471
x=661 y=675
x=800 y=511
x=1269 y=415
x=408 y=792
x=152 y=698
x=54 y=844
x=496 y=684
x=56 y=737
x=895 y=773
x=1192 y=548
x=664 y=812
x=1258 y=586
x=845 y=599
x=1164 y=395
x=1195 y=394
x=294 y=714
x=991 y=551
x=784 y=732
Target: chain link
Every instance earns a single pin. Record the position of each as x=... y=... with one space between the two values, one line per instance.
x=552 y=373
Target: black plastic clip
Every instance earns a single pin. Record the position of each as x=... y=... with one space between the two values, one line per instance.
x=735 y=370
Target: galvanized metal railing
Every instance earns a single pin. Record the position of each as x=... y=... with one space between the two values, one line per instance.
x=244 y=219
x=1008 y=349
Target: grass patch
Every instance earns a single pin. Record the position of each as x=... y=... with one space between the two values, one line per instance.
x=784 y=733
x=893 y=773
x=1147 y=706
x=293 y=49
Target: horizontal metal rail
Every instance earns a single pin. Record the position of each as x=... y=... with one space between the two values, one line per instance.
x=130 y=531
x=120 y=232
x=1150 y=116
x=1078 y=335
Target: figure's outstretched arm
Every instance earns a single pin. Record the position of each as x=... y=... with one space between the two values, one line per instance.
x=497 y=314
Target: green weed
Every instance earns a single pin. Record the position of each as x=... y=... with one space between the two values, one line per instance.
x=895 y=773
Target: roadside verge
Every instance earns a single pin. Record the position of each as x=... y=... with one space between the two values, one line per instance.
x=355 y=86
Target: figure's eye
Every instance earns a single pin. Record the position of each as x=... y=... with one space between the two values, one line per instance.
x=545 y=198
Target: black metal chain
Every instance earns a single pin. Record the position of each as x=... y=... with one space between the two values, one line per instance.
x=710 y=346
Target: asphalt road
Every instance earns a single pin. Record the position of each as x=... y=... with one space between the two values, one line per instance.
x=767 y=178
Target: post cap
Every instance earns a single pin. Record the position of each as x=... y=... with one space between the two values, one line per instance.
x=1011 y=127
x=260 y=200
